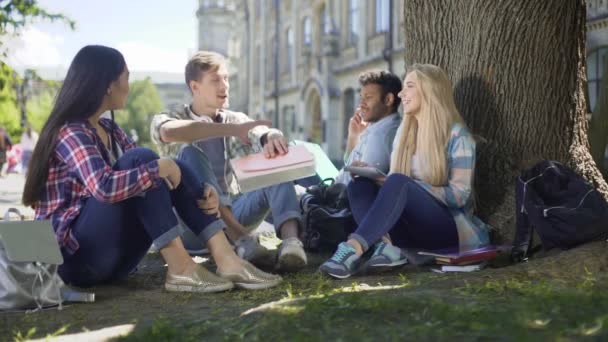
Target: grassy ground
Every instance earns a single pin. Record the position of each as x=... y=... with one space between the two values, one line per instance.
x=410 y=303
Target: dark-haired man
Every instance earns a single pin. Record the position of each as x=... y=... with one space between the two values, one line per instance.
x=373 y=126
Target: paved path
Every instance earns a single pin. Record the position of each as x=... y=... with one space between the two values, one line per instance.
x=11 y=189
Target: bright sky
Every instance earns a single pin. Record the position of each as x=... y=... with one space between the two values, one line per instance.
x=153 y=35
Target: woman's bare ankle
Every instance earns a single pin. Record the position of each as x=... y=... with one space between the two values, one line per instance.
x=232 y=264
x=182 y=269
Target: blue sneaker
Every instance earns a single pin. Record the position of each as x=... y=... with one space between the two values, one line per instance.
x=343 y=263
x=385 y=256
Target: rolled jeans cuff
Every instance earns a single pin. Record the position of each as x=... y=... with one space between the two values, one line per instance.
x=168 y=236
x=211 y=229
x=360 y=240
x=225 y=201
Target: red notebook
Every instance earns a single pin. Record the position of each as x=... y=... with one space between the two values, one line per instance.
x=455 y=257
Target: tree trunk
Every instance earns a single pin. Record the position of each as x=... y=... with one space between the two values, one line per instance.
x=518 y=68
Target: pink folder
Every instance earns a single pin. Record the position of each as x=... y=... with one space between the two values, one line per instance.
x=255 y=171
x=258 y=162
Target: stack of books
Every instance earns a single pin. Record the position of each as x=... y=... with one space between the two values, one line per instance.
x=467 y=261
x=255 y=171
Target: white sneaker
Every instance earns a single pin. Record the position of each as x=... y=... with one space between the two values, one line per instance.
x=291 y=256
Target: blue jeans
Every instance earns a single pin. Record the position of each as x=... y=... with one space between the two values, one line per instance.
x=250 y=208
x=113 y=238
x=412 y=216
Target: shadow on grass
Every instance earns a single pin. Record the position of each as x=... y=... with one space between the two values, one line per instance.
x=511 y=309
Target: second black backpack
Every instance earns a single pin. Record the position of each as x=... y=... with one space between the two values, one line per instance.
x=561 y=206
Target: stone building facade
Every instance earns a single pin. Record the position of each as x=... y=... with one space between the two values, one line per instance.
x=297 y=62
x=597 y=47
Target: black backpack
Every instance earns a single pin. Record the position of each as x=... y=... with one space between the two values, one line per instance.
x=327 y=216
x=561 y=206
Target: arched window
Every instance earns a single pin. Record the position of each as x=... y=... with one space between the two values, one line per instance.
x=289 y=50
x=325 y=21
x=353 y=21
x=382 y=15
x=596 y=61
x=349 y=110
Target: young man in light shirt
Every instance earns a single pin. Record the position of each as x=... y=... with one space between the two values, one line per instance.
x=206 y=135
x=373 y=126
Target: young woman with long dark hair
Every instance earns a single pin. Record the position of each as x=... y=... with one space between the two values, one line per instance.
x=108 y=200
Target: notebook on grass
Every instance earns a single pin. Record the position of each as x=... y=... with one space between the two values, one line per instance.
x=255 y=171
x=456 y=257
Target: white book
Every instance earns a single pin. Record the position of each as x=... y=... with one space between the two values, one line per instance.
x=255 y=171
x=456 y=268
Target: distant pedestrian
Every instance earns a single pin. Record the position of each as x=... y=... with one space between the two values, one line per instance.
x=5 y=146
x=29 y=138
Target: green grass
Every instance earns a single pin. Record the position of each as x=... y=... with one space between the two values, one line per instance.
x=314 y=308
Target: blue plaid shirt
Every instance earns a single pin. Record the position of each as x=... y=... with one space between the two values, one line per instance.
x=456 y=195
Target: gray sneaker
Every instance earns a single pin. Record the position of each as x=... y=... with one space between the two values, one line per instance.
x=386 y=256
x=248 y=248
x=291 y=256
x=343 y=263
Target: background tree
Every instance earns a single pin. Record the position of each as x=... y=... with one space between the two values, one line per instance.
x=14 y=15
x=519 y=73
x=143 y=101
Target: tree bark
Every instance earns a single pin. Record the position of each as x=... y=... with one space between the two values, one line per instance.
x=518 y=68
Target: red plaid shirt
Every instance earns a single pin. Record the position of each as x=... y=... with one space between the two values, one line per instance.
x=81 y=169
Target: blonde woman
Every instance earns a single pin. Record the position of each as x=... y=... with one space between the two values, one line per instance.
x=426 y=201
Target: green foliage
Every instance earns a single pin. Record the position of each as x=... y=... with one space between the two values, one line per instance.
x=143 y=102
x=39 y=104
x=15 y=14
x=10 y=118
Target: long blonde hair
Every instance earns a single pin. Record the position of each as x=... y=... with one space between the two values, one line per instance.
x=427 y=132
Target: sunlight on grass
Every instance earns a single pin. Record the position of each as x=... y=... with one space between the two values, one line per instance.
x=593 y=330
x=271 y=242
x=199 y=260
x=538 y=323
x=89 y=335
x=365 y=287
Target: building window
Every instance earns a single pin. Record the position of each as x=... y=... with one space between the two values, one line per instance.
x=382 y=15
x=349 y=110
x=269 y=60
x=289 y=50
x=258 y=8
x=287 y=122
x=256 y=65
x=596 y=61
x=353 y=21
x=325 y=21
x=307 y=29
